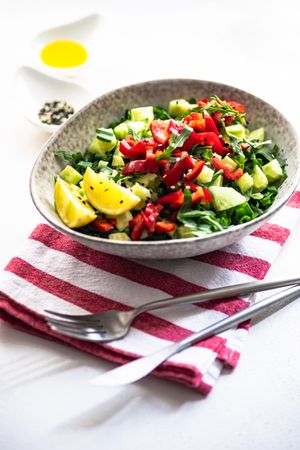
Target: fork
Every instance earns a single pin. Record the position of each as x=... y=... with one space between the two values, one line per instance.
x=112 y=325
x=139 y=368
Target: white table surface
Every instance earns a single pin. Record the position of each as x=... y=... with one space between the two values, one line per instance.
x=45 y=399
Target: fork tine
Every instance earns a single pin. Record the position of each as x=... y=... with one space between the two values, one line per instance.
x=77 y=322
x=83 y=325
x=96 y=337
x=67 y=316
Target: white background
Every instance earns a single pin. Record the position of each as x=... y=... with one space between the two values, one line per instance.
x=46 y=402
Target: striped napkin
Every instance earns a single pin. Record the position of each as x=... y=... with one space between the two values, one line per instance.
x=53 y=271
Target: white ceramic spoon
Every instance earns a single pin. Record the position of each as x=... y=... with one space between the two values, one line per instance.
x=82 y=30
x=34 y=88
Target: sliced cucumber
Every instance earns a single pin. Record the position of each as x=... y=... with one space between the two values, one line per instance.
x=105 y=134
x=179 y=106
x=236 y=130
x=100 y=146
x=141 y=191
x=272 y=170
x=122 y=221
x=227 y=160
x=70 y=175
x=245 y=182
x=117 y=161
x=260 y=181
x=123 y=128
x=150 y=180
x=218 y=181
x=225 y=197
x=102 y=163
x=258 y=135
x=144 y=113
x=206 y=175
x=119 y=237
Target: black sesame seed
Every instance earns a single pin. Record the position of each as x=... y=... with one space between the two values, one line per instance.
x=55 y=112
x=91 y=187
x=121 y=201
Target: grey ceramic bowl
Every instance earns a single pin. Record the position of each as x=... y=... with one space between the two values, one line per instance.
x=76 y=134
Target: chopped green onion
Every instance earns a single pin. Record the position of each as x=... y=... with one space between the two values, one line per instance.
x=176 y=140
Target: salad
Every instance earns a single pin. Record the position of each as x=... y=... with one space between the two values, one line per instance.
x=189 y=170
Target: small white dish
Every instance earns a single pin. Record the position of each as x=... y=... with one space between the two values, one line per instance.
x=82 y=31
x=34 y=88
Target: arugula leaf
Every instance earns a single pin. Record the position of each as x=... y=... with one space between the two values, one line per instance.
x=202 y=152
x=161 y=113
x=176 y=140
x=84 y=164
x=243 y=213
x=135 y=136
x=258 y=144
x=72 y=158
x=215 y=104
x=197 y=218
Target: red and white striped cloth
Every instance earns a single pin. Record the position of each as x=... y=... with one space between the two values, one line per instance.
x=53 y=271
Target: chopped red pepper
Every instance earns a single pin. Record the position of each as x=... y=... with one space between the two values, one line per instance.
x=190 y=185
x=130 y=140
x=228 y=173
x=245 y=146
x=207 y=138
x=150 y=143
x=163 y=226
x=160 y=130
x=210 y=124
x=140 y=165
x=102 y=225
x=175 y=126
x=137 y=151
x=201 y=195
x=197 y=195
x=138 y=226
x=196 y=170
x=177 y=171
x=207 y=196
x=202 y=102
x=150 y=216
x=196 y=121
x=235 y=105
x=173 y=199
x=217 y=116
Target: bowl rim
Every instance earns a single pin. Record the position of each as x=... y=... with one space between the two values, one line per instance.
x=169 y=242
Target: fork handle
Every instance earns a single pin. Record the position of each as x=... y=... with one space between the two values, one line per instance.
x=219 y=293
x=229 y=322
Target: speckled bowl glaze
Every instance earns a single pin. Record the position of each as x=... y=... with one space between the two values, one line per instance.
x=77 y=133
